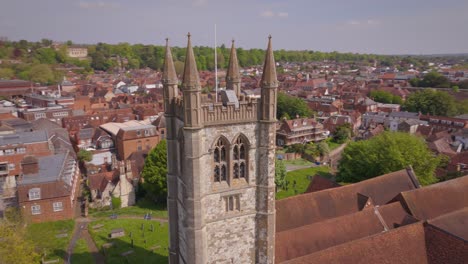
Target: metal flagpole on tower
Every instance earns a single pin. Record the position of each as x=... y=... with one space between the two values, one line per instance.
x=216 y=67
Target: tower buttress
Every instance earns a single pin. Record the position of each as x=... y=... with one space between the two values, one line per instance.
x=233 y=79
x=191 y=90
x=170 y=90
x=269 y=85
x=266 y=163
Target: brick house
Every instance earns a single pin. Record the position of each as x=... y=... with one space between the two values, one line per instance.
x=13 y=148
x=132 y=136
x=299 y=131
x=55 y=114
x=47 y=190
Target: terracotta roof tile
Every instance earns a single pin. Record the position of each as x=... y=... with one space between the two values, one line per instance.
x=318 y=206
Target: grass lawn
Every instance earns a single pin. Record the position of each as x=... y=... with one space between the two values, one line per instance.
x=332 y=145
x=44 y=236
x=154 y=251
x=302 y=182
x=142 y=207
x=297 y=162
x=81 y=254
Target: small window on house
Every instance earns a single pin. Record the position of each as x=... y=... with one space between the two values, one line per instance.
x=21 y=150
x=139 y=145
x=9 y=151
x=138 y=133
x=146 y=132
x=11 y=166
x=58 y=206
x=294 y=124
x=4 y=168
x=36 y=209
x=34 y=194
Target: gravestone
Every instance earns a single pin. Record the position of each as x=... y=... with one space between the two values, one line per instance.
x=115 y=233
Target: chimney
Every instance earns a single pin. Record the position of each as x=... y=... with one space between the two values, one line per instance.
x=30 y=165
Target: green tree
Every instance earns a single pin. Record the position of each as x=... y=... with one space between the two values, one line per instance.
x=431 y=102
x=280 y=174
x=41 y=73
x=385 y=153
x=455 y=88
x=291 y=106
x=323 y=148
x=6 y=73
x=85 y=155
x=15 y=248
x=46 y=56
x=155 y=171
x=343 y=133
x=432 y=79
x=381 y=96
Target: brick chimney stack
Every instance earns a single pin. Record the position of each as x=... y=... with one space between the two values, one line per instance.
x=30 y=165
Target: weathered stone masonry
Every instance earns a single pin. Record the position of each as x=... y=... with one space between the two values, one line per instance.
x=220 y=167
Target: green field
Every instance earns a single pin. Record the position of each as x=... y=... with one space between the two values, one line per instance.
x=302 y=181
x=140 y=209
x=44 y=236
x=298 y=162
x=154 y=251
x=81 y=254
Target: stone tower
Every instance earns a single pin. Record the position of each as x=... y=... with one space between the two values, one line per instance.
x=221 y=166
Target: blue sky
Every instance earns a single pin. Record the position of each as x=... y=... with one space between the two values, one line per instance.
x=364 y=26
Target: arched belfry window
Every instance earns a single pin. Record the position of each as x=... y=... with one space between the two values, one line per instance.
x=220 y=161
x=240 y=158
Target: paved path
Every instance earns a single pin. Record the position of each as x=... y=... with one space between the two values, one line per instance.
x=81 y=231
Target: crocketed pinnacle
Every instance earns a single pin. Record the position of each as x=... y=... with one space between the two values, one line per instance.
x=233 y=73
x=190 y=78
x=269 y=68
x=169 y=73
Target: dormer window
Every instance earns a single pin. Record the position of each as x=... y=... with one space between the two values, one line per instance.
x=34 y=194
x=304 y=122
x=294 y=124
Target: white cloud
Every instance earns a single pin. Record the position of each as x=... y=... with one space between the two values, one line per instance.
x=269 y=13
x=362 y=23
x=98 y=5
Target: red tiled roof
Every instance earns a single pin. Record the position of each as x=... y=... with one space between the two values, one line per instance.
x=313 y=207
x=437 y=199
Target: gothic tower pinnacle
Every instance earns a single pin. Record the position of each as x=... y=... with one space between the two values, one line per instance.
x=191 y=89
x=269 y=85
x=169 y=79
x=233 y=75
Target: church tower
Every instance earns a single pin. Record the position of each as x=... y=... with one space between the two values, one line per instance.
x=221 y=166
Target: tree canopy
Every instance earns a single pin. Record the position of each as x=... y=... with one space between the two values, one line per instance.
x=289 y=106
x=14 y=247
x=155 y=171
x=432 y=79
x=280 y=174
x=85 y=155
x=431 y=102
x=385 y=153
x=385 y=97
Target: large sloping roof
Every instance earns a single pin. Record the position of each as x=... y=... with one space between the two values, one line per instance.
x=402 y=245
x=311 y=238
x=437 y=199
x=318 y=206
x=456 y=223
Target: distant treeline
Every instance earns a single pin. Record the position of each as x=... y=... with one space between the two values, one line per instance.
x=106 y=56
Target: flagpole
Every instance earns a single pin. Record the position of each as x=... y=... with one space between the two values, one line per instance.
x=216 y=67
